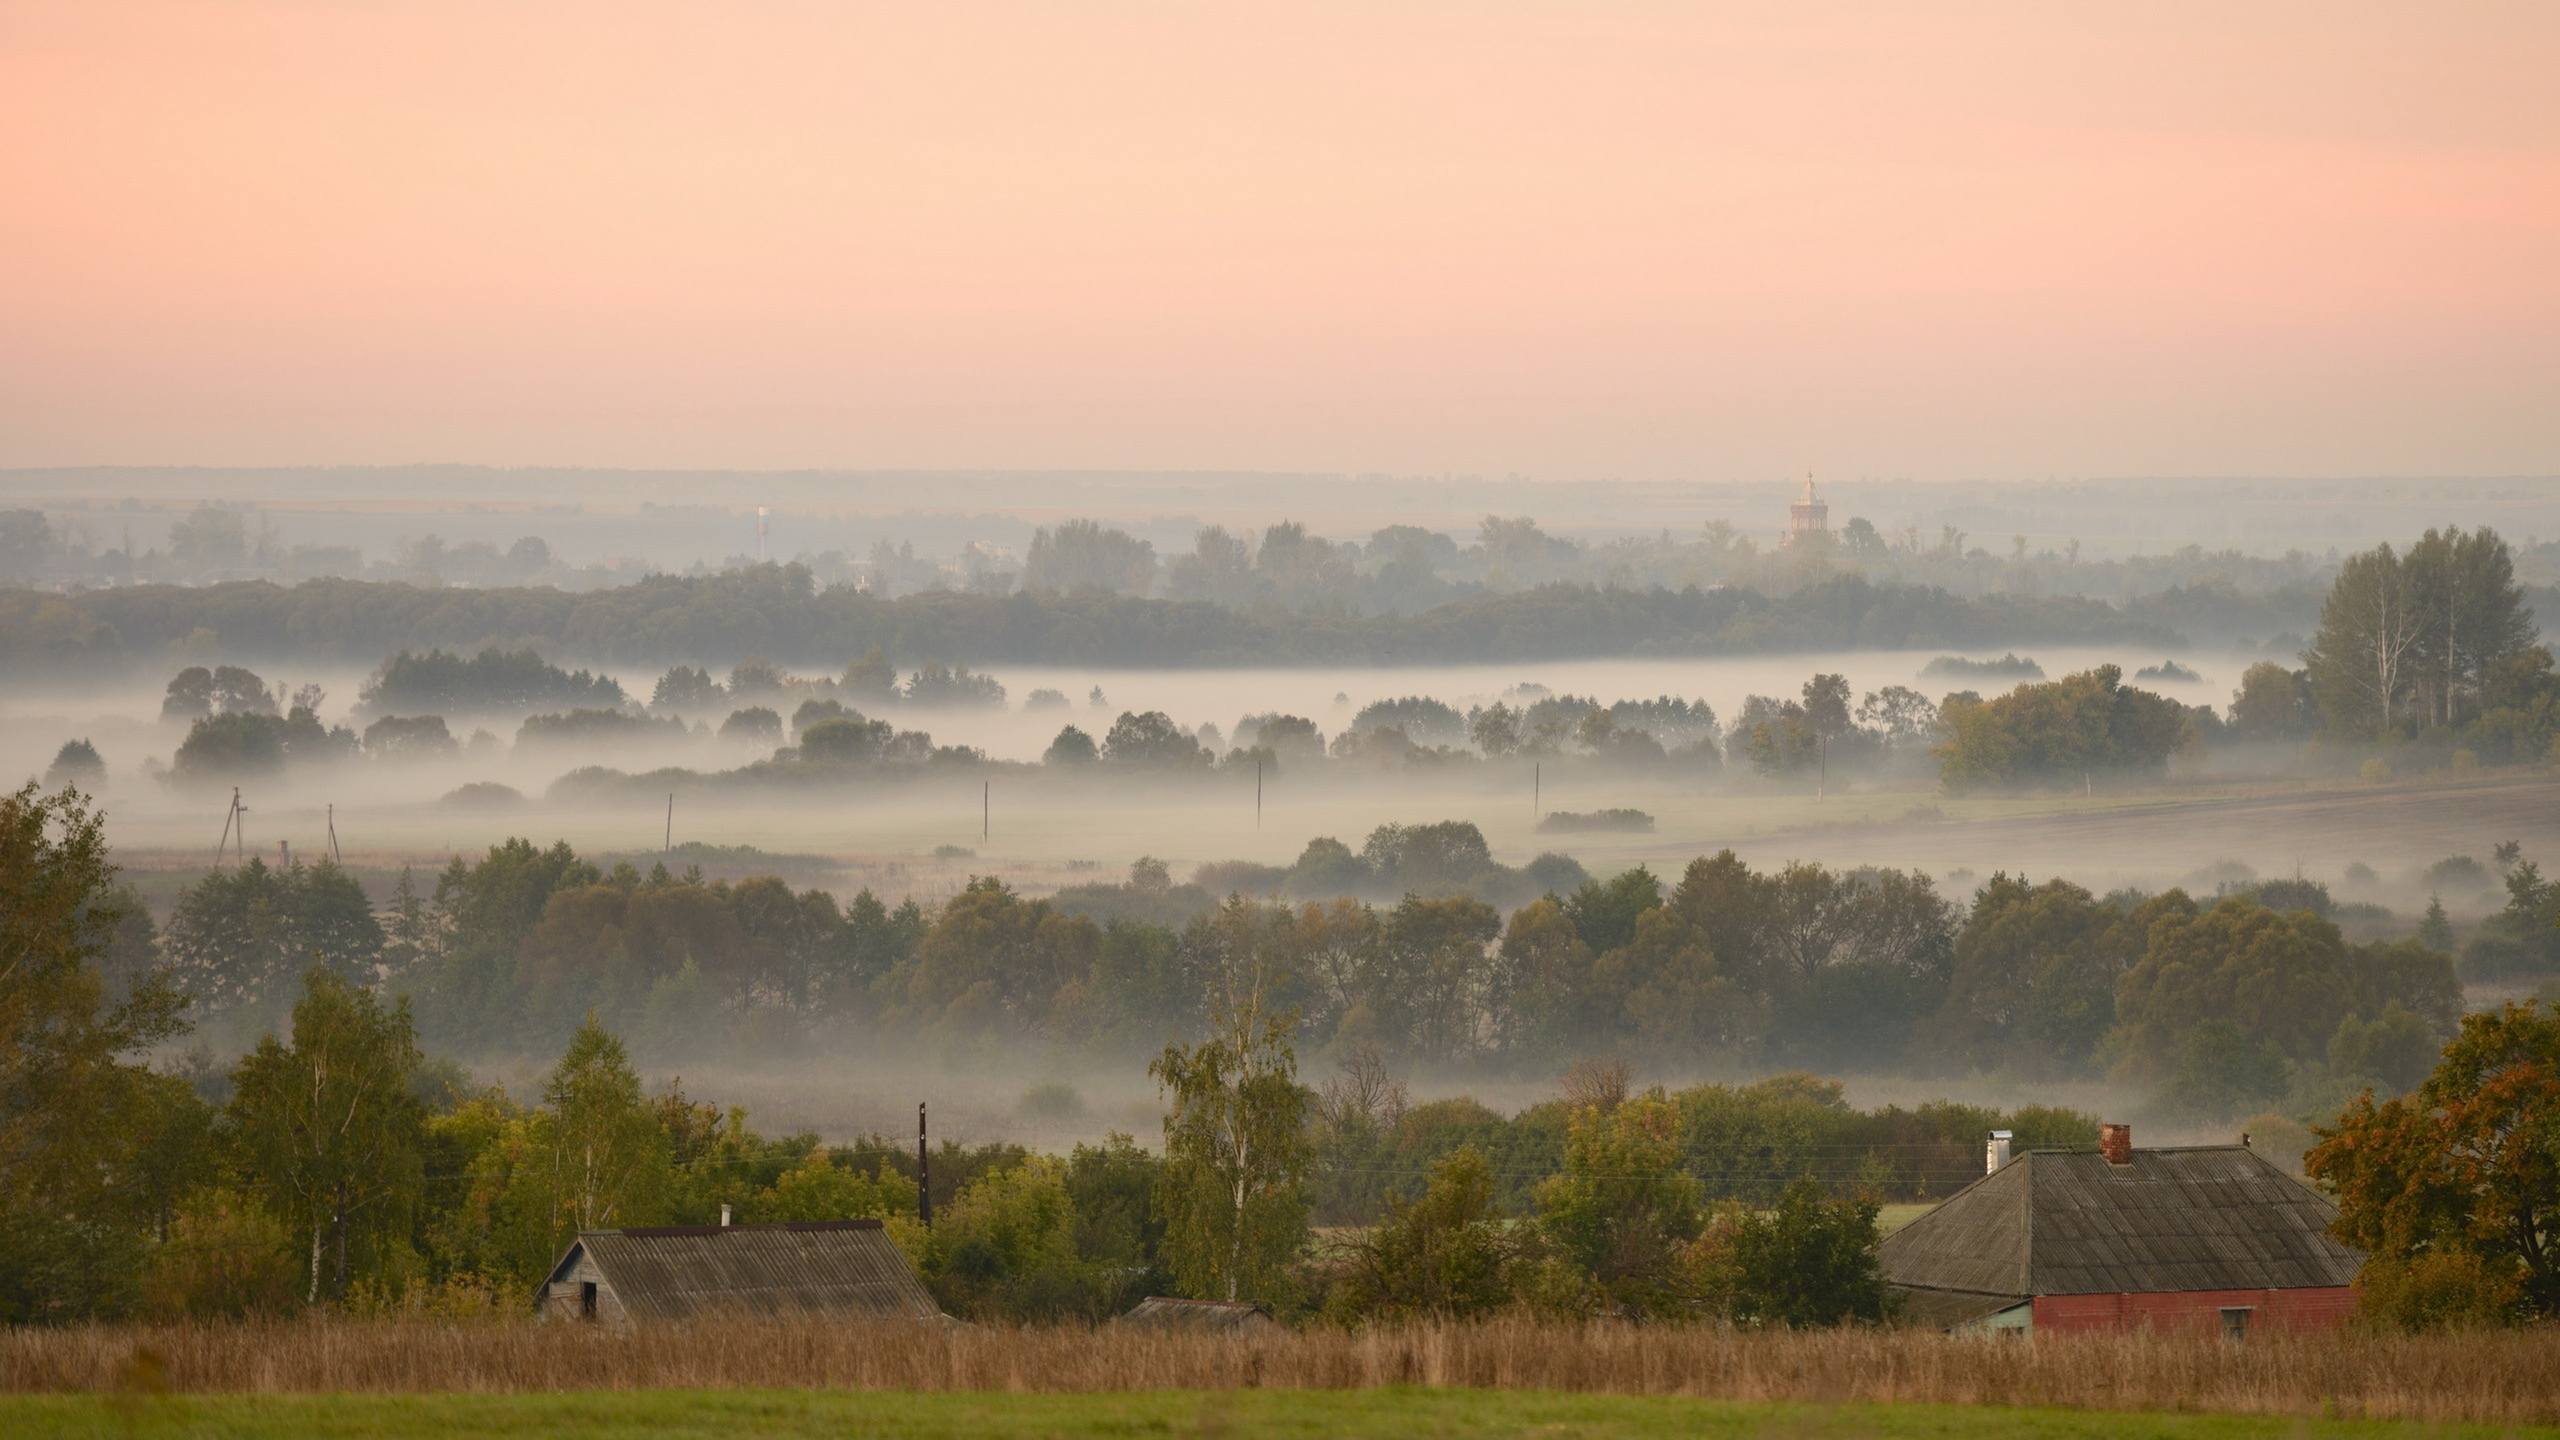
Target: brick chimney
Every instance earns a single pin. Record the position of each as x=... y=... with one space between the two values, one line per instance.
x=2116 y=1143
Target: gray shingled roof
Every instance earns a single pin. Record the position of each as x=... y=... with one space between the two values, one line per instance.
x=2065 y=1222
x=829 y=1266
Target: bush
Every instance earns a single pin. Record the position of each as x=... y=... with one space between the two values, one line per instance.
x=1810 y=1262
x=2374 y=771
x=226 y=1258
x=1567 y=822
x=2439 y=1290
x=1053 y=1103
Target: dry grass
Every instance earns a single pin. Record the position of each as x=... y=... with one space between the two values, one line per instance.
x=2506 y=1378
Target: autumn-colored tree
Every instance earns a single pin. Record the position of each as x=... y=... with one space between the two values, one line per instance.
x=2468 y=1164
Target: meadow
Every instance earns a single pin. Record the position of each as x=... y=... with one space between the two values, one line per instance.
x=376 y=1377
x=1399 y=1412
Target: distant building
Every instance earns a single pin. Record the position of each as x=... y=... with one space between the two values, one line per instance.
x=1204 y=1317
x=646 y=1274
x=2207 y=1237
x=1808 y=516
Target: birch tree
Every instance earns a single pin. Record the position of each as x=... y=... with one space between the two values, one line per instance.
x=1233 y=1189
x=327 y=1129
x=610 y=1157
x=2360 y=661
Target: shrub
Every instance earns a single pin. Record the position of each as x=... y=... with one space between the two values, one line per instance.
x=2438 y=1290
x=1052 y=1103
x=226 y=1258
x=2374 y=771
x=1566 y=822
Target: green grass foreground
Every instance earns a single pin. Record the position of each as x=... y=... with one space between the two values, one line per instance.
x=1403 y=1414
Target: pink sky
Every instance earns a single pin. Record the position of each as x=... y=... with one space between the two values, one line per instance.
x=1639 y=240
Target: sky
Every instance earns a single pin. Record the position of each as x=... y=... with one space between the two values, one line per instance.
x=1724 y=242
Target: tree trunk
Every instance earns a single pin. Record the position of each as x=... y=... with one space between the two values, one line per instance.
x=317 y=1227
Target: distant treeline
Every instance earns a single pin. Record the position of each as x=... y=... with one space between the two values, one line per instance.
x=2233 y=1000
x=779 y=611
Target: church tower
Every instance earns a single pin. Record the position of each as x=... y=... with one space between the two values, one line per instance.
x=1807 y=516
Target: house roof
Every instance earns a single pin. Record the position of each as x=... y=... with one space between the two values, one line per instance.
x=2066 y=1222
x=1166 y=1312
x=671 y=1272
x=1948 y=1309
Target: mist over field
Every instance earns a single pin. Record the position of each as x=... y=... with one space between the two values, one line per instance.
x=1020 y=699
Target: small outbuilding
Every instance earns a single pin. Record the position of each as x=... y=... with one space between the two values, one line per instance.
x=647 y=1274
x=1203 y=1317
x=2205 y=1237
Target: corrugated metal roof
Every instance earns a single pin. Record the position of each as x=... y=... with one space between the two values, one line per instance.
x=2057 y=1222
x=1167 y=1312
x=672 y=1272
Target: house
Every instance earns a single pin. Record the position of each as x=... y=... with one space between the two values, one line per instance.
x=2205 y=1237
x=1202 y=1317
x=647 y=1274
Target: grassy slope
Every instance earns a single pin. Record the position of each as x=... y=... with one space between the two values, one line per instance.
x=1403 y=1414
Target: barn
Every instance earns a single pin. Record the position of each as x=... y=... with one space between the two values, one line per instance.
x=650 y=1274
x=2205 y=1237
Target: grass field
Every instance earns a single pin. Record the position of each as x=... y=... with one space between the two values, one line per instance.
x=352 y=1377
x=1406 y=1414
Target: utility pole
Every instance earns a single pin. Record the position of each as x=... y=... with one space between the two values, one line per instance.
x=924 y=1172
x=1537 y=787
x=336 y=856
x=986 y=809
x=1257 y=792
x=668 y=845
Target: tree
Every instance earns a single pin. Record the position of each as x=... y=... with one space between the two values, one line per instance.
x=72 y=1104
x=1826 y=712
x=2470 y=616
x=417 y=737
x=2064 y=730
x=1072 y=747
x=1447 y=1255
x=326 y=1128
x=2435 y=930
x=1808 y=1262
x=1006 y=1247
x=1083 y=555
x=76 y=766
x=609 y=1154
x=1151 y=740
x=2360 y=659
x=1624 y=1205
x=240 y=937
x=2273 y=703
x=755 y=725
x=1233 y=1189
x=2469 y=1165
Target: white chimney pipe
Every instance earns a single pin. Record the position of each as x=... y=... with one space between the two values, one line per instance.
x=724 y=1216
x=1996 y=1153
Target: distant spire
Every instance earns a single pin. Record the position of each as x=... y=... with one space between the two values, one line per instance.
x=1808 y=487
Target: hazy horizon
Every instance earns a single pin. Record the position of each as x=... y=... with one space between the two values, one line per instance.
x=1647 y=243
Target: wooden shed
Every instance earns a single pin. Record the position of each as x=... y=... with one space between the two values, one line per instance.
x=648 y=1274
x=1205 y=1317
x=2196 y=1237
